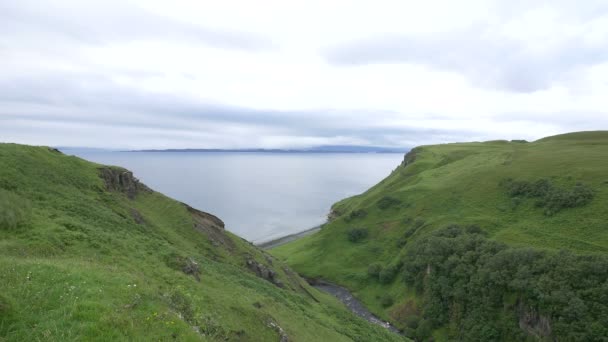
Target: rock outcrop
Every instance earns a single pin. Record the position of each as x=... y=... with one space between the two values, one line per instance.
x=212 y=227
x=410 y=157
x=121 y=180
x=264 y=272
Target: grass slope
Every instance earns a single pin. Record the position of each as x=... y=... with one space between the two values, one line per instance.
x=461 y=183
x=83 y=261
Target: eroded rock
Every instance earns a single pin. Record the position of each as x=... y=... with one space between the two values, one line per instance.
x=264 y=272
x=121 y=180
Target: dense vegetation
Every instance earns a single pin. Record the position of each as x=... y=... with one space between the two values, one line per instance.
x=88 y=253
x=531 y=262
x=489 y=290
x=549 y=197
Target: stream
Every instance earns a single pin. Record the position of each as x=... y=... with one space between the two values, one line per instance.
x=352 y=303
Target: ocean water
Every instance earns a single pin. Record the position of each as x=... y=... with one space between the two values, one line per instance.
x=260 y=196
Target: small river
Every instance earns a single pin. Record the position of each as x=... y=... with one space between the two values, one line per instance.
x=352 y=303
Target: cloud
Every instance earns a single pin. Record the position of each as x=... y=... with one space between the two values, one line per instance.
x=148 y=74
x=525 y=47
x=99 y=23
x=87 y=101
x=487 y=60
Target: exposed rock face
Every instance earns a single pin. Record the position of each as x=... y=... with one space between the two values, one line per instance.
x=263 y=272
x=121 y=180
x=191 y=268
x=212 y=227
x=410 y=157
x=333 y=214
x=533 y=323
x=282 y=334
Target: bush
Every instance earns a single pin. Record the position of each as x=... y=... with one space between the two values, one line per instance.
x=387 y=202
x=388 y=274
x=549 y=197
x=180 y=303
x=386 y=301
x=374 y=270
x=356 y=214
x=357 y=234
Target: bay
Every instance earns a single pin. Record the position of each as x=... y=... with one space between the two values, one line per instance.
x=260 y=196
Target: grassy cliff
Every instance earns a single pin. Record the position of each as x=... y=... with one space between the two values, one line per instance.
x=89 y=253
x=428 y=247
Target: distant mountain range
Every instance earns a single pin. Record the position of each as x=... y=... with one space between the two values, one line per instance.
x=318 y=149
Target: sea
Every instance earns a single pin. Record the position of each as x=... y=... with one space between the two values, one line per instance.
x=260 y=196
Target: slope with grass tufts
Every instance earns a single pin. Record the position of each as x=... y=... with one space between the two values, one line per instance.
x=438 y=231
x=87 y=252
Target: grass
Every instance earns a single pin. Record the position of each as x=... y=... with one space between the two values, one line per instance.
x=459 y=184
x=75 y=264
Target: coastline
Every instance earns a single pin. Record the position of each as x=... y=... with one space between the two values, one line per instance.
x=288 y=238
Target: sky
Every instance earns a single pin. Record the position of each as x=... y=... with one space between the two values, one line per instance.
x=289 y=74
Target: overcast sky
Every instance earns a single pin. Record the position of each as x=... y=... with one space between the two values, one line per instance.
x=227 y=74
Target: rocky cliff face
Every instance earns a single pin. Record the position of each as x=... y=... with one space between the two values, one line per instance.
x=410 y=157
x=121 y=180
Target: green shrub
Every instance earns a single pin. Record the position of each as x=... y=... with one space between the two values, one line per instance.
x=549 y=197
x=402 y=241
x=374 y=270
x=386 y=301
x=357 y=234
x=388 y=274
x=356 y=214
x=387 y=202
x=182 y=304
x=412 y=321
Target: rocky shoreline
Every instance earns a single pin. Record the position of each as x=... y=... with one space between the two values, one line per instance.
x=285 y=239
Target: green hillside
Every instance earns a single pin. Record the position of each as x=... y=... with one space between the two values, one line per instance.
x=89 y=253
x=486 y=241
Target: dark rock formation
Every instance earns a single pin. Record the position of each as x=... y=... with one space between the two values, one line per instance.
x=185 y=264
x=213 y=228
x=333 y=214
x=121 y=180
x=410 y=157
x=191 y=267
x=264 y=272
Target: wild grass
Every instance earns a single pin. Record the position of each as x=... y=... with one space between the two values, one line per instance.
x=76 y=265
x=462 y=184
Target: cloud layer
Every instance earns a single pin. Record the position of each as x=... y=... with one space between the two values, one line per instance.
x=144 y=74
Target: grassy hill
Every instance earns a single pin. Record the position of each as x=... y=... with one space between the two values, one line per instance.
x=89 y=253
x=421 y=245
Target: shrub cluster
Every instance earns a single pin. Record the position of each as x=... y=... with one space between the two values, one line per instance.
x=484 y=289
x=387 y=202
x=357 y=234
x=553 y=199
x=356 y=214
x=383 y=274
